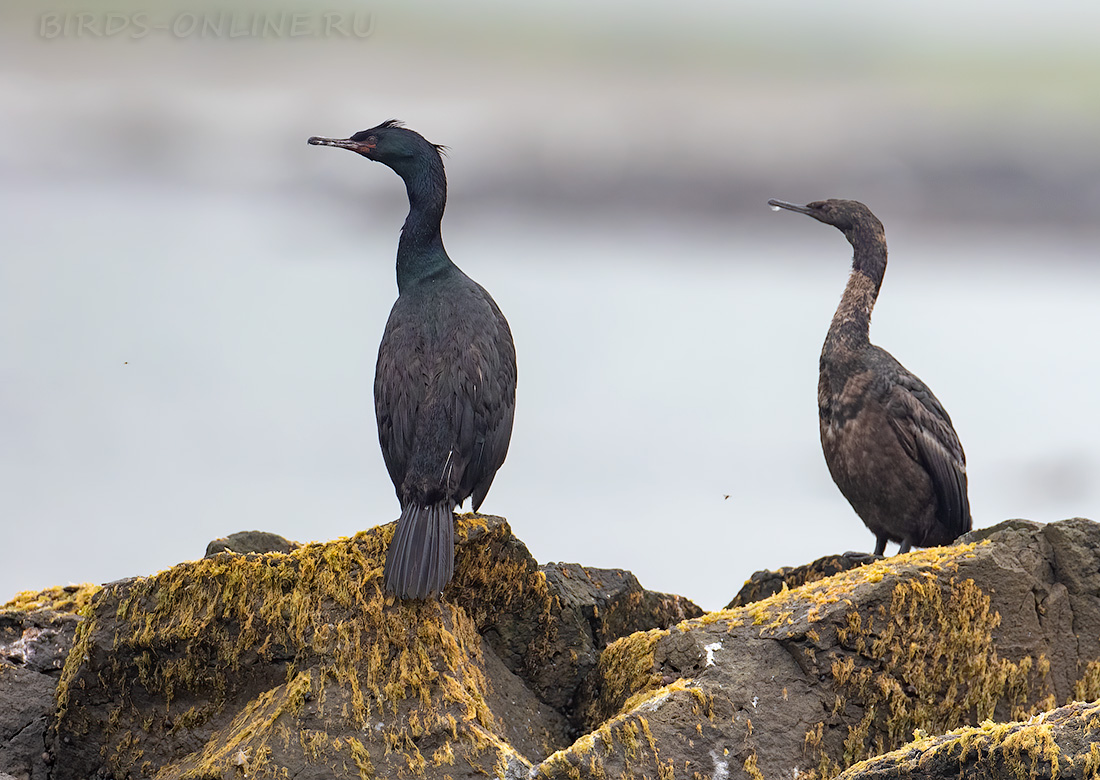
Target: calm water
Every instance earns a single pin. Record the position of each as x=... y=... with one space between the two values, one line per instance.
x=177 y=366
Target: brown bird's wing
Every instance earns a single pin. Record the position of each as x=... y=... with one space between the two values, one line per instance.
x=924 y=429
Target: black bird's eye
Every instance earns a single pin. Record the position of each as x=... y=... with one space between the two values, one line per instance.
x=372 y=139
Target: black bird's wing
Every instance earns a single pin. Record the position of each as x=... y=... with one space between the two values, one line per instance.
x=487 y=407
x=924 y=429
x=445 y=389
x=401 y=380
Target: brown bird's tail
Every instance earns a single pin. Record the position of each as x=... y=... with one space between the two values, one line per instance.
x=421 y=558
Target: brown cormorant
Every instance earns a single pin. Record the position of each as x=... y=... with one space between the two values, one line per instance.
x=888 y=441
x=445 y=383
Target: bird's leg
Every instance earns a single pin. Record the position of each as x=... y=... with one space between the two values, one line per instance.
x=905 y=545
x=880 y=545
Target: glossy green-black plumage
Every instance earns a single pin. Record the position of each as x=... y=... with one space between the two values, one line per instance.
x=888 y=442
x=445 y=382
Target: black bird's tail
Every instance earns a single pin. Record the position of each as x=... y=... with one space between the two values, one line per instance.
x=421 y=558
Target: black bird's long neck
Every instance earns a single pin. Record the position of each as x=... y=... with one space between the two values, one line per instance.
x=851 y=325
x=420 y=252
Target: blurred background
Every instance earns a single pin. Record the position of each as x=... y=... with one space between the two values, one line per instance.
x=191 y=297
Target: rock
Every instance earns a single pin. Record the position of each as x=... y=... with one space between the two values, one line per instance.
x=36 y=633
x=1057 y=744
x=613 y=601
x=244 y=542
x=36 y=641
x=26 y=702
x=814 y=679
x=767 y=583
x=66 y=599
x=299 y=665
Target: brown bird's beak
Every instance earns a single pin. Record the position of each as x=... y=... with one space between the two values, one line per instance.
x=775 y=204
x=343 y=143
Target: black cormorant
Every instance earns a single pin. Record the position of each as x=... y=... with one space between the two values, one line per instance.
x=888 y=441
x=445 y=383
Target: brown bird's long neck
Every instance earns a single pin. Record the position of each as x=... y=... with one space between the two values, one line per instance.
x=851 y=325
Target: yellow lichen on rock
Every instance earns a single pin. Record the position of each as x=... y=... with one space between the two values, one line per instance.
x=362 y=658
x=751 y=769
x=625 y=670
x=1031 y=745
x=930 y=640
x=61 y=598
x=810 y=600
x=937 y=666
x=1088 y=686
x=1052 y=744
x=249 y=735
x=1091 y=762
x=626 y=737
x=361 y=757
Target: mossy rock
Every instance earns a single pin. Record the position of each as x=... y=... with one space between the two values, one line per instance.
x=298 y=664
x=1063 y=744
x=68 y=599
x=817 y=678
x=767 y=583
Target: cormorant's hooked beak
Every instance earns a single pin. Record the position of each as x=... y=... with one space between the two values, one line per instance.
x=775 y=204
x=342 y=143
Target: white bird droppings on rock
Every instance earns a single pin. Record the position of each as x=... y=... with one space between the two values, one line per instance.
x=710 y=651
x=721 y=767
x=652 y=704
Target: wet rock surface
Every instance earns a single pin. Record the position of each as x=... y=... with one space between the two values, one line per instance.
x=36 y=634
